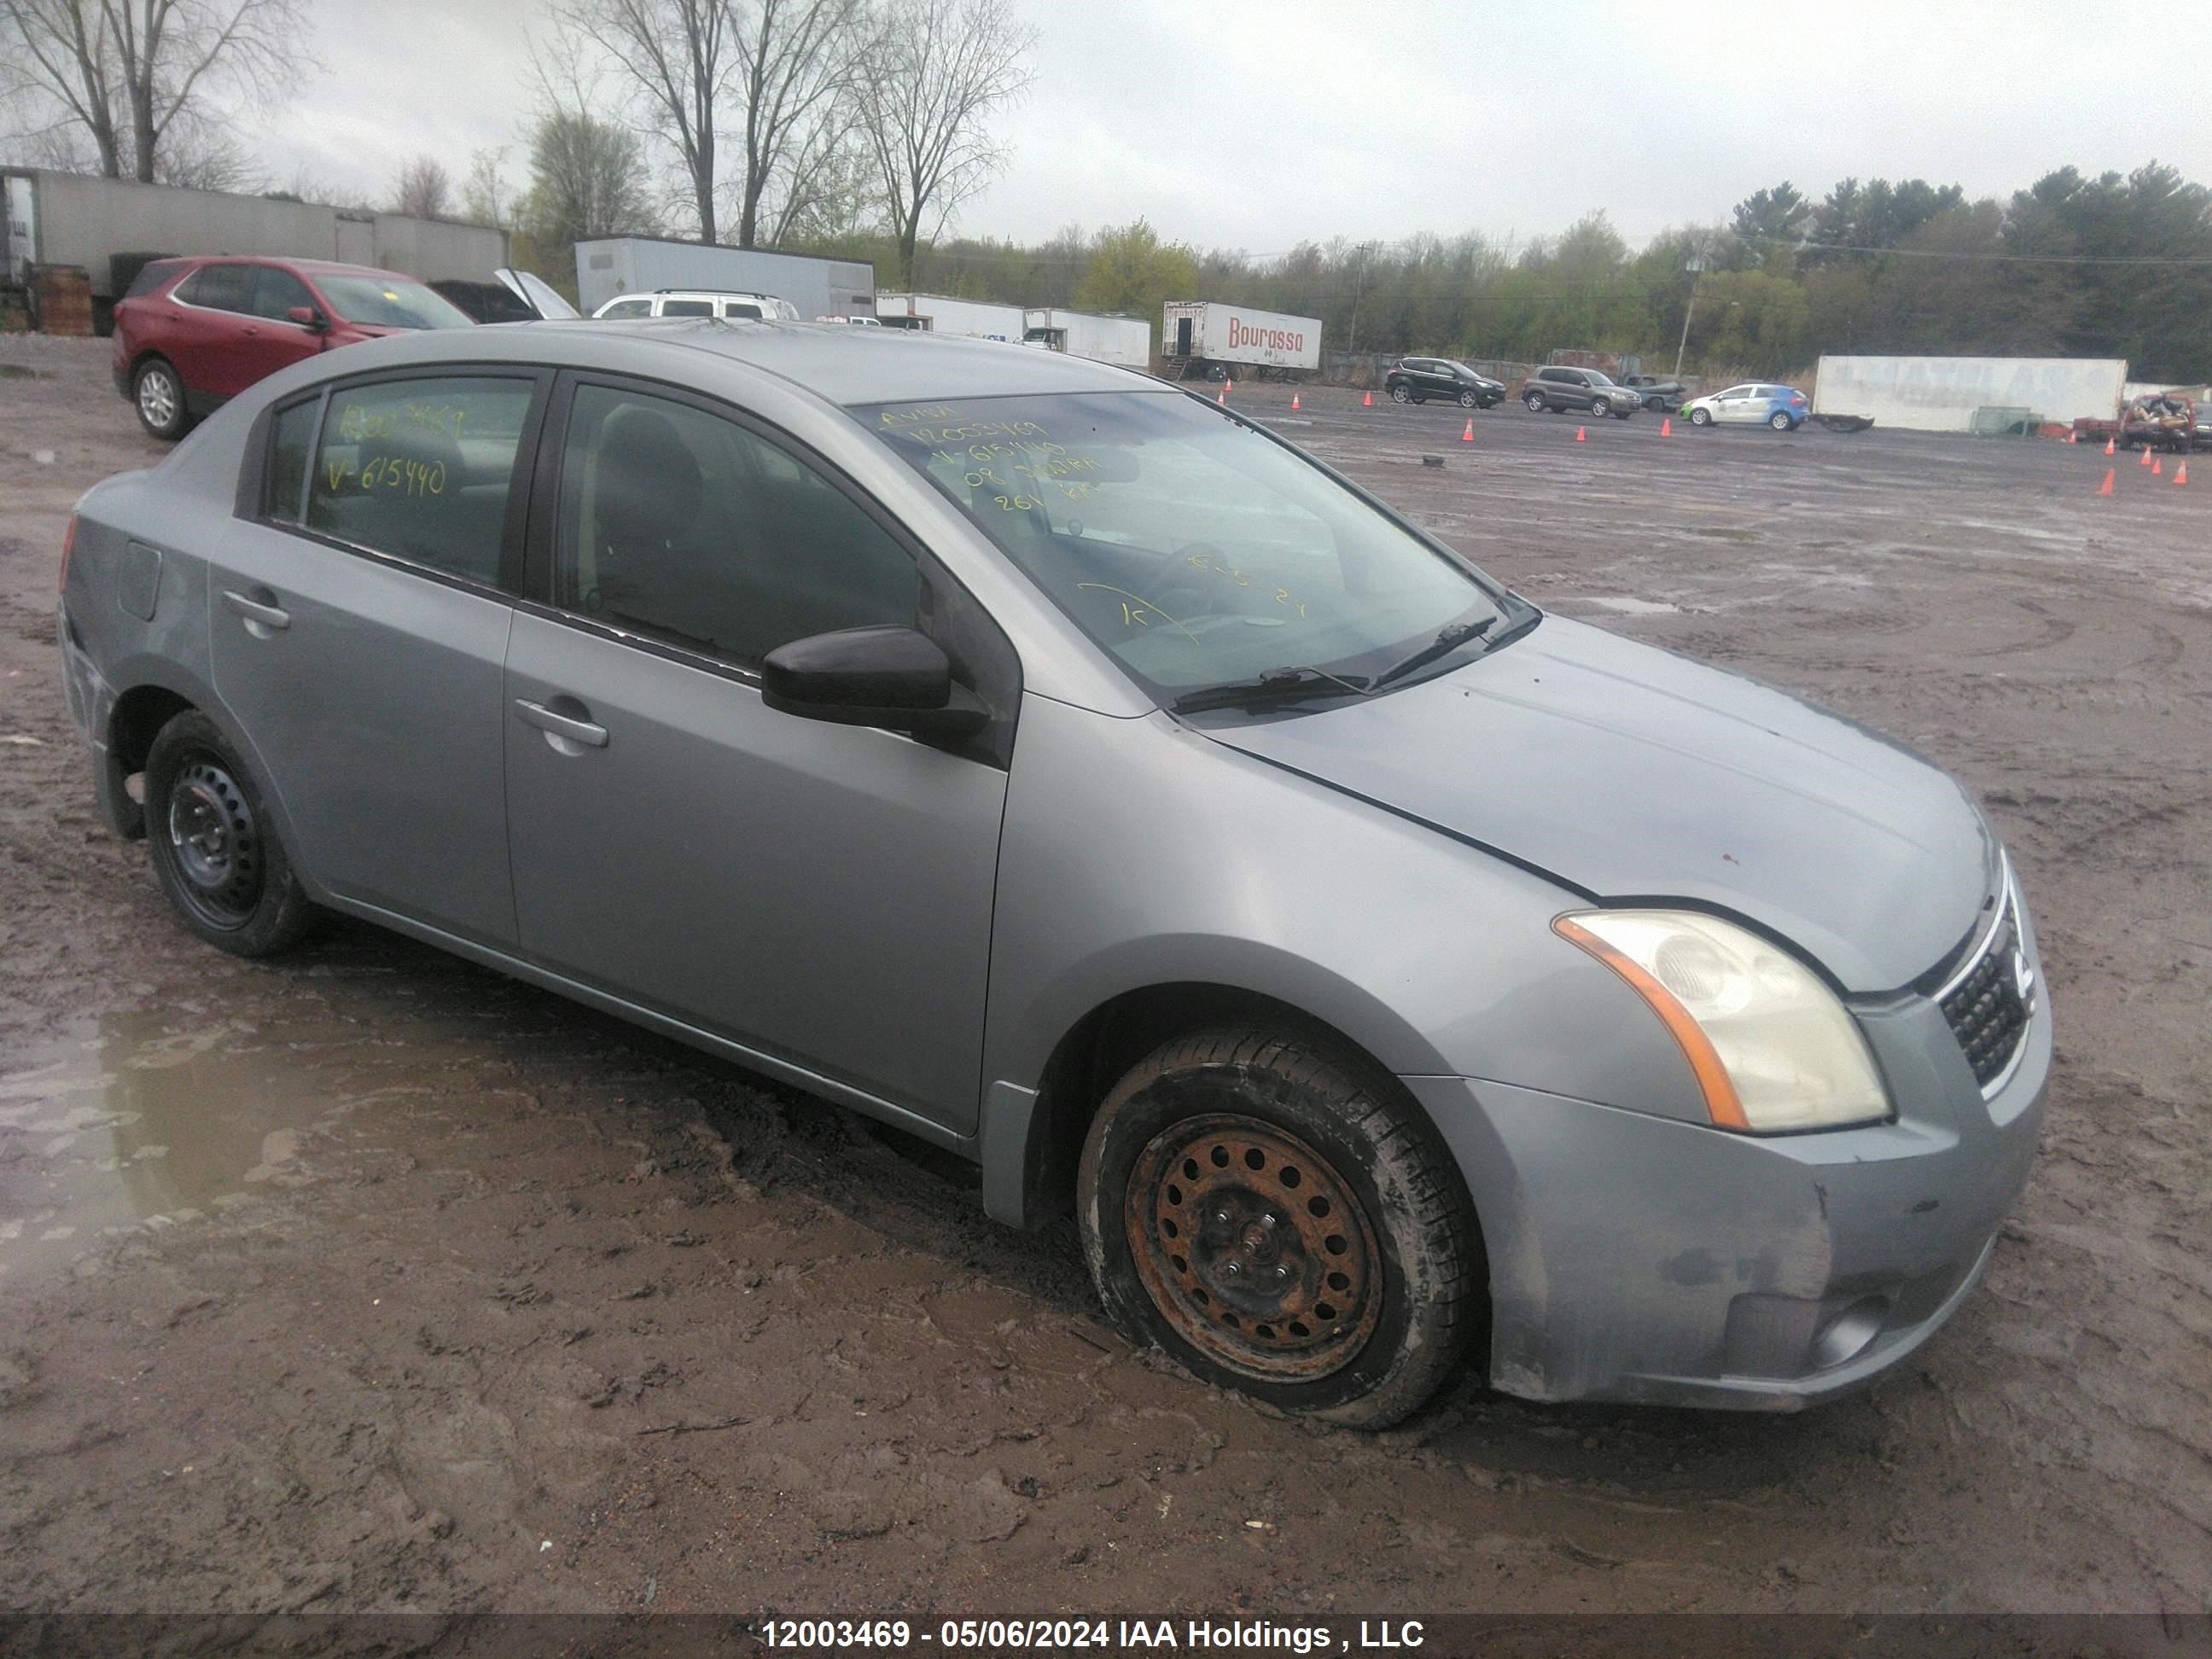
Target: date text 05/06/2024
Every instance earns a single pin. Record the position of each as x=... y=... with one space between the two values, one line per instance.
x=1090 y=1635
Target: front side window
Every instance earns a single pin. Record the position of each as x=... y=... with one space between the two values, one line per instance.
x=421 y=469
x=629 y=308
x=1197 y=551
x=276 y=292
x=392 y=302
x=219 y=288
x=685 y=527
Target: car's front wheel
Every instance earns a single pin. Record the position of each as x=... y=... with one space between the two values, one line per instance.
x=214 y=850
x=158 y=394
x=1701 y=417
x=1281 y=1221
x=1780 y=422
x=1468 y=400
x=1534 y=402
x=1600 y=408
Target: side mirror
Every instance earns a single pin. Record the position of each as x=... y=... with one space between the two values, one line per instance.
x=308 y=317
x=895 y=678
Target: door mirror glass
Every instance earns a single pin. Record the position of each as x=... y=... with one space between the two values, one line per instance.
x=891 y=677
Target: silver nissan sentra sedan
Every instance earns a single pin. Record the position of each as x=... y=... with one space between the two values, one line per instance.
x=1387 y=976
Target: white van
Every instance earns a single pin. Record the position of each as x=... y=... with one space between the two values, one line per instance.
x=700 y=302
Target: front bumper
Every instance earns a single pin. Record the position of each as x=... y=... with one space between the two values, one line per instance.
x=1634 y=1257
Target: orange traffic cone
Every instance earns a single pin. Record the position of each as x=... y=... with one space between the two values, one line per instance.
x=1294 y=400
x=2106 y=488
x=1228 y=385
x=2108 y=446
x=2181 y=473
x=1467 y=436
x=2145 y=458
x=1666 y=426
x=2157 y=468
x=2073 y=437
x=1367 y=402
x=1222 y=396
x=1581 y=435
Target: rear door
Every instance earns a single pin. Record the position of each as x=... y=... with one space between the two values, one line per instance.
x=269 y=339
x=359 y=621
x=205 y=337
x=820 y=894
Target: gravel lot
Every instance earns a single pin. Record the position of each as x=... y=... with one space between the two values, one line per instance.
x=366 y=1279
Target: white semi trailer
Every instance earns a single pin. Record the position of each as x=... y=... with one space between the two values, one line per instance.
x=1126 y=341
x=934 y=313
x=1203 y=337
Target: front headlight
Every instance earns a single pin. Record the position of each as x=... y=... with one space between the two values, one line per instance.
x=1770 y=1046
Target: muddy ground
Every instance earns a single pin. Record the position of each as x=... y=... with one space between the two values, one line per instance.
x=368 y=1279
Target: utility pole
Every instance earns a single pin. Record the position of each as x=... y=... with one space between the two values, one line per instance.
x=1688 y=310
x=1365 y=251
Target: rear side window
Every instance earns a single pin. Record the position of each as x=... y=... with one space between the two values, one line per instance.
x=219 y=287
x=151 y=276
x=421 y=469
x=687 y=307
x=291 y=436
x=741 y=308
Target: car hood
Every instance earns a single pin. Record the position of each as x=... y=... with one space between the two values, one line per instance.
x=1634 y=775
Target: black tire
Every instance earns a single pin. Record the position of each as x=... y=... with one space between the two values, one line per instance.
x=215 y=852
x=1401 y=393
x=157 y=392
x=1600 y=408
x=1468 y=400
x=1534 y=402
x=1781 y=422
x=1700 y=417
x=1311 y=1171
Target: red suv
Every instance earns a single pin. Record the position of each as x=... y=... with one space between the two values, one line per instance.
x=192 y=333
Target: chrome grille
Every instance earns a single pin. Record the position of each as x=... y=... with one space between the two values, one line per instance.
x=1988 y=1001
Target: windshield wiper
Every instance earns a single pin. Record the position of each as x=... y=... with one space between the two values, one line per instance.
x=1447 y=642
x=1275 y=685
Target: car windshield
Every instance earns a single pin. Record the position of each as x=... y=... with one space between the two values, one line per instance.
x=1197 y=550
x=390 y=302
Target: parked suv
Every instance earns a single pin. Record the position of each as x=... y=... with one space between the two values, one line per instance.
x=725 y=303
x=191 y=334
x=1560 y=389
x=1417 y=380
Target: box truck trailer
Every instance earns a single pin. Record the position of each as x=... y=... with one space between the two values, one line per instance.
x=1202 y=337
x=645 y=265
x=1127 y=341
x=934 y=313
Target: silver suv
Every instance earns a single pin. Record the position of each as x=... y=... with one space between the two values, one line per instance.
x=1559 y=389
x=1384 y=974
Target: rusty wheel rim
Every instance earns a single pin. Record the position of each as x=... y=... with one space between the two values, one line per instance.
x=1254 y=1248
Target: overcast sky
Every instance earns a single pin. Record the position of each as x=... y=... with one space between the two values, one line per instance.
x=1256 y=124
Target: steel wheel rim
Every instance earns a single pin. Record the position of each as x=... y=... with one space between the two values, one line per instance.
x=157 y=398
x=1254 y=1248
x=215 y=844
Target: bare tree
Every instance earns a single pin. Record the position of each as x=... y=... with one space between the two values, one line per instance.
x=936 y=70
x=199 y=155
x=672 y=58
x=54 y=59
x=423 y=189
x=797 y=61
x=135 y=74
x=485 y=197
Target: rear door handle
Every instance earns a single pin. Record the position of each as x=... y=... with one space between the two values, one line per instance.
x=267 y=614
x=556 y=725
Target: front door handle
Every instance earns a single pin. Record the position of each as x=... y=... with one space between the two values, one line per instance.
x=263 y=617
x=556 y=724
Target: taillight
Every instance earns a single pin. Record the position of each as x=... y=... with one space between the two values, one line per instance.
x=69 y=546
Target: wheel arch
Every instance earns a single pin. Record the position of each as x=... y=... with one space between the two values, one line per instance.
x=1031 y=1140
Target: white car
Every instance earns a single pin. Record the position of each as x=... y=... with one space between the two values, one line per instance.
x=1755 y=402
x=727 y=303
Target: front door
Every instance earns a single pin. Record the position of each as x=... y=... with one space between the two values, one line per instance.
x=270 y=340
x=818 y=893
x=358 y=631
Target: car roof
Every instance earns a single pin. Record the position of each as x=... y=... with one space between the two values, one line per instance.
x=842 y=365
x=311 y=267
